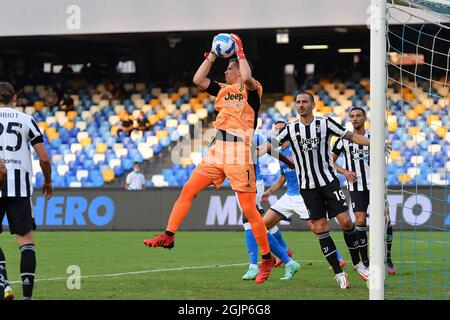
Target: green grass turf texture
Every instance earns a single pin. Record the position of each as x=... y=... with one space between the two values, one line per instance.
x=109 y=253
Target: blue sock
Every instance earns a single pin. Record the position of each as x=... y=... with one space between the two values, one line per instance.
x=339 y=256
x=277 y=249
x=280 y=239
x=252 y=246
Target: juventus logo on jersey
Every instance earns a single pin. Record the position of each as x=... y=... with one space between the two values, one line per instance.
x=241 y=88
x=325 y=250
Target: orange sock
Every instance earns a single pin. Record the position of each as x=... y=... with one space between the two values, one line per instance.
x=196 y=183
x=247 y=200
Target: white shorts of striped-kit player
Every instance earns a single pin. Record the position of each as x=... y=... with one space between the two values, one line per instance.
x=289 y=205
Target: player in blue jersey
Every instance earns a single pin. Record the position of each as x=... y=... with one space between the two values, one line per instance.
x=252 y=246
x=289 y=204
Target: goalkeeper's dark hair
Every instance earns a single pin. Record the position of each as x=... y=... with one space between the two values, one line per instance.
x=357 y=108
x=235 y=60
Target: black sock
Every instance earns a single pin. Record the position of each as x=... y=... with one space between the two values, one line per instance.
x=3 y=270
x=389 y=237
x=266 y=256
x=27 y=269
x=169 y=233
x=329 y=251
x=2 y=284
x=361 y=232
x=351 y=240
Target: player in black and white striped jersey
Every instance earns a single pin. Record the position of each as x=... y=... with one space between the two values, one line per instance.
x=356 y=170
x=310 y=141
x=17 y=131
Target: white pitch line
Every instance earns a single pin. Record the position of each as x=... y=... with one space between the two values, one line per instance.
x=180 y=269
x=140 y=272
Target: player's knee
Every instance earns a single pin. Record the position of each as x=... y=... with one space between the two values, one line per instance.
x=346 y=224
x=311 y=226
x=360 y=221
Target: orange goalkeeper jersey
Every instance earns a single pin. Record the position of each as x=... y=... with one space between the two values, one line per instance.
x=237 y=108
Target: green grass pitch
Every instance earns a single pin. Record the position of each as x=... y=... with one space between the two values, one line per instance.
x=209 y=265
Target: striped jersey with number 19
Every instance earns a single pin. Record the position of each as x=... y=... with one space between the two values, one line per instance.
x=357 y=159
x=17 y=130
x=311 y=147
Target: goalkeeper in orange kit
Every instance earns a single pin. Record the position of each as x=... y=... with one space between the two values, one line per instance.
x=231 y=155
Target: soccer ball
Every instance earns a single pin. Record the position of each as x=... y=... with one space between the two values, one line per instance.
x=223 y=45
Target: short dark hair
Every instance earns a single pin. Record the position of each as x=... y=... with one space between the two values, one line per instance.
x=280 y=121
x=6 y=92
x=235 y=60
x=311 y=97
x=357 y=108
x=136 y=162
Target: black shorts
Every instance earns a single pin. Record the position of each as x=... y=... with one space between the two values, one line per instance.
x=328 y=199
x=19 y=213
x=360 y=200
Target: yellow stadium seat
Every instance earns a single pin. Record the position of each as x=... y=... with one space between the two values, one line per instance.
x=101 y=148
x=185 y=162
x=414 y=130
x=162 y=113
x=288 y=98
x=197 y=106
x=175 y=96
x=392 y=126
x=419 y=109
x=194 y=100
x=162 y=134
x=38 y=105
x=153 y=118
x=326 y=110
x=69 y=125
x=412 y=114
x=85 y=141
x=441 y=132
x=408 y=96
x=71 y=115
x=320 y=104
x=42 y=125
x=155 y=102
x=52 y=136
x=404 y=178
x=202 y=95
x=50 y=130
x=108 y=175
x=433 y=117
x=395 y=154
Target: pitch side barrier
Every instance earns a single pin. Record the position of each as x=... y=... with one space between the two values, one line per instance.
x=116 y=209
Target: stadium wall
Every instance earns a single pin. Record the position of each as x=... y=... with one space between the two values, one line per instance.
x=65 y=17
x=117 y=209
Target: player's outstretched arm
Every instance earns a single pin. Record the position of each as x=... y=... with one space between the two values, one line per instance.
x=277 y=185
x=201 y=79
x=357 y=138
x=46 y=166
x=271 y=150
x=244 y=67
x=3 y=173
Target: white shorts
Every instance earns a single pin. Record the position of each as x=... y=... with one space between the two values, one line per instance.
x=288 y=205
x=259 y=192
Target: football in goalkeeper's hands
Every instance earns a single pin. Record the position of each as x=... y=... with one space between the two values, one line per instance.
x=223 y=46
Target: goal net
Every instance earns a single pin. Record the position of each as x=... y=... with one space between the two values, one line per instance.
x=417 y=171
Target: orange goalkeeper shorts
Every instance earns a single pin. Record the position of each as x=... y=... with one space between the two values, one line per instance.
x=232 y=160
